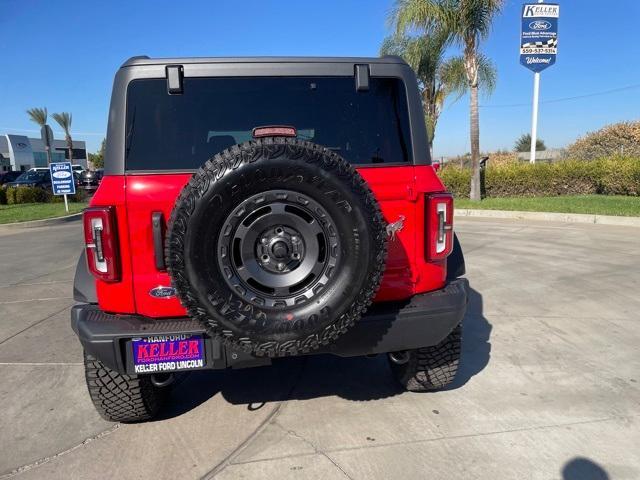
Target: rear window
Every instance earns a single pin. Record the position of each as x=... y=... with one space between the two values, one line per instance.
x=176 y=132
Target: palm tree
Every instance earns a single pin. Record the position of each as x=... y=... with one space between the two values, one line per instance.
x=38 y=115
x=64 y=120
x=465 y=22
x=437 y=77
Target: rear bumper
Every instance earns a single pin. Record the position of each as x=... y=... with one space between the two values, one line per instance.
x=424 y=320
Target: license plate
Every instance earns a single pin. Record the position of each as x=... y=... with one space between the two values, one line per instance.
x=168 y=353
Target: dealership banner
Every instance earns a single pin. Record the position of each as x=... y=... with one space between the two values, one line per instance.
x=539 y=37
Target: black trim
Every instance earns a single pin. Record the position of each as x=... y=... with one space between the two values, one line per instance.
x=175 y=75
x=158 y=230
x=84 y=284
x=362 y=78
x=424 y=320
x=455 y=262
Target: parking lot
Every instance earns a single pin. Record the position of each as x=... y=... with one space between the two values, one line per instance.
x=549 y=385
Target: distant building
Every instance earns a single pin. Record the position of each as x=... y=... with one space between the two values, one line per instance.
x=549 y=155
x=18 y=152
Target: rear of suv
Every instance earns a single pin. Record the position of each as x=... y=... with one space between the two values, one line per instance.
x=256 y=208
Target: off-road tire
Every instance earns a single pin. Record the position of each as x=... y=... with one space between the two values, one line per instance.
x=121 y=398
x=240 y=174
x=430 y=368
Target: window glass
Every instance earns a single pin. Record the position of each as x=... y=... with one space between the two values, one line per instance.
x=167 y=132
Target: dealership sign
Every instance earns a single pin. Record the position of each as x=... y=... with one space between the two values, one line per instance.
x=539 y=37
x=62 y=180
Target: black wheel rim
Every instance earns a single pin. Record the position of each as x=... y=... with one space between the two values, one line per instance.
x=278 y=249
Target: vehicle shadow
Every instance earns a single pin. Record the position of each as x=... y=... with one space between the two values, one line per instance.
x=302 y=378
x=476 y=345
x=581 y=468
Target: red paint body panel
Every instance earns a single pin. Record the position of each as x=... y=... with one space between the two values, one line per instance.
x=147 y=194
x=399 y=190
x=116 y=297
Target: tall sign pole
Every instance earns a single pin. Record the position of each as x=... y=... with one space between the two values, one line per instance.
x=538 y=50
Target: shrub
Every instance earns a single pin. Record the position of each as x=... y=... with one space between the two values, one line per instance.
x=612 y=176
x=3 y=196
x=502 y=158
x=79 y=196
x=456 y=179
x=617 y=139
x=11 y=196
x=618 y=176
x=31 y=195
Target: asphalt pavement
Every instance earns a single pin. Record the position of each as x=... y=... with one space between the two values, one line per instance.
x=548 y=386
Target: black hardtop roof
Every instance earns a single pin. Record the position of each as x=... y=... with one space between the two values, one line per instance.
x=145 y=60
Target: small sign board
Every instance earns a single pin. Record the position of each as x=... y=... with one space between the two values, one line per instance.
x=539 y=35
x=62 y=179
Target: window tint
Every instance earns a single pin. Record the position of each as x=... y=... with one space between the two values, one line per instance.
x=35 y=175
x=165 y=132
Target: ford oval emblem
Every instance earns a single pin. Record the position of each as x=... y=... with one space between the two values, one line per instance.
x=540 y=25
x=62 y=174
x=163 y=292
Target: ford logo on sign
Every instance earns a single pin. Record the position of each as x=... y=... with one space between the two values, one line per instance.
x=540 y=25
x=61 y=174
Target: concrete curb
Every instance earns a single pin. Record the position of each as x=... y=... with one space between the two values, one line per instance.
x=45 y=222
x=551 y=217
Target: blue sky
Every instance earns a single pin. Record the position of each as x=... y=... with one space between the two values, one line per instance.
x=64 y=54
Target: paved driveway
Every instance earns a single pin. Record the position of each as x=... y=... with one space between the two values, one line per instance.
x=548 y=386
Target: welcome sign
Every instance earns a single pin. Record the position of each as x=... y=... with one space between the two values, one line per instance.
x=539 y=35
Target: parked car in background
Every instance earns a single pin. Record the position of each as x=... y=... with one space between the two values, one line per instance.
x=6 y=177
x=32 y=178
x=90 y=179
x=77 y=168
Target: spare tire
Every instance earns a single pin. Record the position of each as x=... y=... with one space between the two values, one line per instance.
x=277 y=246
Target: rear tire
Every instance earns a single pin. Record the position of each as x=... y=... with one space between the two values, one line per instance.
x=121 y=398
x=428 y=368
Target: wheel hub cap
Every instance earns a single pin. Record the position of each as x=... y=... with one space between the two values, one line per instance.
x=278 y=248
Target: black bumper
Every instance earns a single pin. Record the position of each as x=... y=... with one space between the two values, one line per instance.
x=424 y=320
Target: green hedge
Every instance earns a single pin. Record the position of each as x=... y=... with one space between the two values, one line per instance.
x=611 y=176
x=20 y=195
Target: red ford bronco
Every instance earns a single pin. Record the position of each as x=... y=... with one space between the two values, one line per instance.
x=254 y=208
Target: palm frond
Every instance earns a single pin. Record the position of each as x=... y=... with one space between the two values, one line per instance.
x=64 y=120
x=38 y=115
x=426 y=15
x=487 y=75
x=475 y=17
x=453 y=77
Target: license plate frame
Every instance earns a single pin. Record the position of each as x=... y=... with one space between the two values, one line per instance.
x=155 y=354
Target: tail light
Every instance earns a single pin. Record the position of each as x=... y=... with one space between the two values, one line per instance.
x=101 y=243
x=439 y=236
